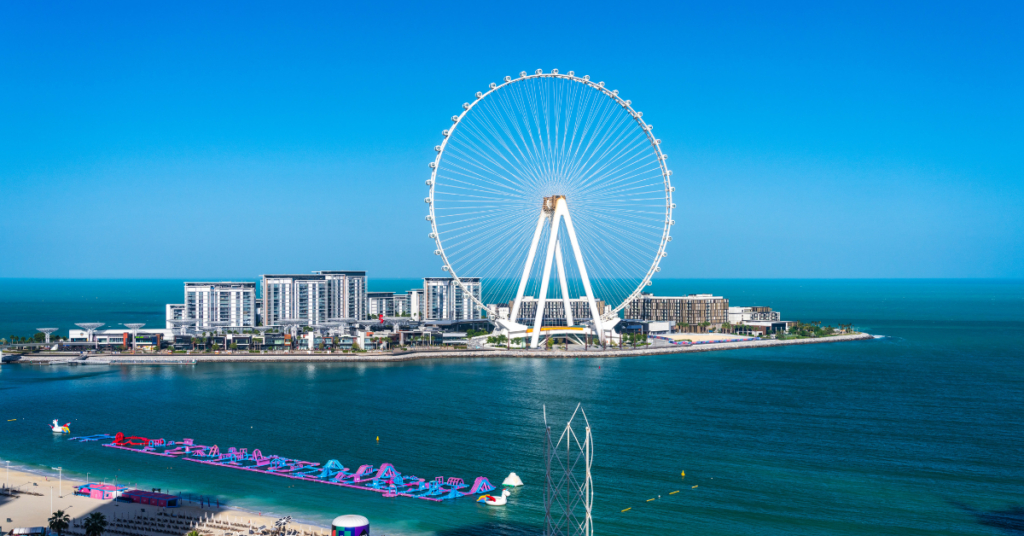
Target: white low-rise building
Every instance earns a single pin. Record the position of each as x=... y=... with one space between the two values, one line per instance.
x=113 y=338
x=746 y=315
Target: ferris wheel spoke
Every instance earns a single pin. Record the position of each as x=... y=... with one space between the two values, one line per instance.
x=517 y=169
x=529 y=155
x=627 y=156
x=465 y=155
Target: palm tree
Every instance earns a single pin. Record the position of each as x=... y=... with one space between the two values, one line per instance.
x=59 y=522
x=193 y=533
x=95 y=524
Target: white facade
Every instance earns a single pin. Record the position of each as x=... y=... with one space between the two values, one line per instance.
x=315 y=297
x=443 y=299
x=380 y=303
x=174 y=311
x=739 y=315
x=746 y=315
x=116 y=336
x=415 y=302
x=221 y=301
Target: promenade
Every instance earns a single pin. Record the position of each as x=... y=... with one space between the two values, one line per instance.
x=305 y=356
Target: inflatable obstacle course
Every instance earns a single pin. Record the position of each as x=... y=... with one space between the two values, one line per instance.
x=383 y=479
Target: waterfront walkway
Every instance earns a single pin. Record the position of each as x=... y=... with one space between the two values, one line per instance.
x=416 y=354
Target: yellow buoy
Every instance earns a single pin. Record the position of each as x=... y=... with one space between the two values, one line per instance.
x=693 y=487
x=674 y=492
x=378 y=438
x=628 y=509
x=683 y=474
x=649 y=500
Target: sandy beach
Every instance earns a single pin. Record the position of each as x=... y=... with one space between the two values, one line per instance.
x=32 y=508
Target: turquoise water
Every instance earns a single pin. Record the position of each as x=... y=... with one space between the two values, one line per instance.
x=919 y=432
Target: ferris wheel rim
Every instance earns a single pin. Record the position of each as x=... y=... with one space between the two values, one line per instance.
x=637 y=117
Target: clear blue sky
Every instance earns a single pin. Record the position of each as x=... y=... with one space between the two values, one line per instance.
x=231 y=140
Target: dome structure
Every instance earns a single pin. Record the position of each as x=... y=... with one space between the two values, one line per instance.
x=350 y=525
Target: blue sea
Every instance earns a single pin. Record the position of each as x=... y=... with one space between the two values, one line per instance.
x=917 y=432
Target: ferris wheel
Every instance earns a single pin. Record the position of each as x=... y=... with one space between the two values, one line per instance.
x=550 y=176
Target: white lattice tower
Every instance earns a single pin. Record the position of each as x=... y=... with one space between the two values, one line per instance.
x=569 y=490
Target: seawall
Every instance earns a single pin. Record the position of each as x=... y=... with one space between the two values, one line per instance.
x=371 y=357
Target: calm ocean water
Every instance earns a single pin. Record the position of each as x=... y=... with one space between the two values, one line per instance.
x=916 y=433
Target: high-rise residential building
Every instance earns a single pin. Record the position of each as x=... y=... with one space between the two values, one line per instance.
x=380 y=303
x=314 y=297
x=402 y=305
x=694 y=309
x=220 y=301
x=554 y=310
x=444 y=299
x=174 y=311
x=390 y=303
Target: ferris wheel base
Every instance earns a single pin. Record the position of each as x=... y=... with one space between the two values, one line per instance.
x=515 y=330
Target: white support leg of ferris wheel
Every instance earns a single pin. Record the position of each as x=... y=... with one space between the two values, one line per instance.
x=560 y=212
x=542 y=298
x=514 y=315
x=565 y=285
x=594 y=313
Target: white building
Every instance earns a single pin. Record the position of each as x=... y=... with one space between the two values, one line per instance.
x=113 y=338
x=174 y=311
x=746 y=315
x=389 y=303
x=444 y=299
x=415 y=301
x=315 y=297
x=380 y=303
x=221 y=301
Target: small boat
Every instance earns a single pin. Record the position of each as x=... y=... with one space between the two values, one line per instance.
x=491 y=500
x=58 y=429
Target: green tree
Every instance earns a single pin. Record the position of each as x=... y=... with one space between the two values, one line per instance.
x=95 y=524
x=59 y=522
x=234 y=346
x=193 y=533
x=518 y=341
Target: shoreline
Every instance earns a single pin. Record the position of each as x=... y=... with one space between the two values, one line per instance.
x=294 y=357
x=32 y=507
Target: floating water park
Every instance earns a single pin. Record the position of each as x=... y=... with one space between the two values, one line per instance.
x=383 y=479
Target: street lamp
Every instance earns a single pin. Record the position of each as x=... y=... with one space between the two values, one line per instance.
x=60 y=489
